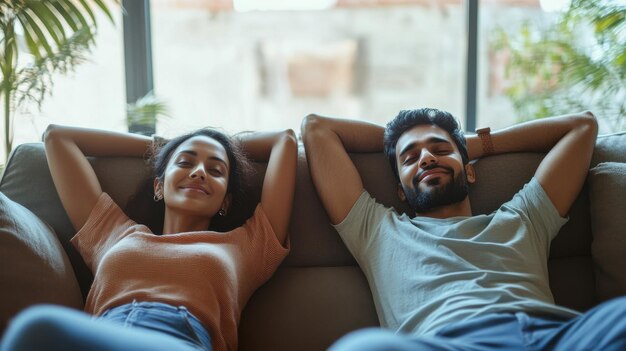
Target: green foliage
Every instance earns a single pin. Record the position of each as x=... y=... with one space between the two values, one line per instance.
x=146 y=110
x=577 y=63
x=40 y=38
x=35 y=81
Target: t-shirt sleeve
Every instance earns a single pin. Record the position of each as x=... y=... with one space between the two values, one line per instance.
x=105 y=226
x=266 y=249
x=535 y=203
x=360 y=227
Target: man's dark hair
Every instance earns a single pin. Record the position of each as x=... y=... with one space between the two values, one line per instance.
x=408 y=119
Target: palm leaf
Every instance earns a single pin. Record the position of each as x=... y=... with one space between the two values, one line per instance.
x=611 y=21
x=104 y=9
x=56 y=32
x=30 y=25
x=36 y=80
x=31 y=43
x=45 y=22
x=101 y=5
x=77 y=14
x=89 y=12
x=65 y=13
x=8 y=55
x=49 y=19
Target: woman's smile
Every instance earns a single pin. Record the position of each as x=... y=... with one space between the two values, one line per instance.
x=195 y=188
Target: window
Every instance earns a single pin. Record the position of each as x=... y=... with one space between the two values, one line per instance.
x=537 y=60
x=91 y=96
x=254 y=70
x=495 y=109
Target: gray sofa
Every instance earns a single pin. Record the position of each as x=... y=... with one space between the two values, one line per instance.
x=318 y=293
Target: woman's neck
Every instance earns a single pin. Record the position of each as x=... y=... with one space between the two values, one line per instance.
x=179 y=223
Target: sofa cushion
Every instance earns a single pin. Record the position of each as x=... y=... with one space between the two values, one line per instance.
x=609 y=148
x=607 y=194
x=307 y=309
x=33 y=265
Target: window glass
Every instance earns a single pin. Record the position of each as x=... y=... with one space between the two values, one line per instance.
x=552 y=57
x=215 y=65
x=93 y=95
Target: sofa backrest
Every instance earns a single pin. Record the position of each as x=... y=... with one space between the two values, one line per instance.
x=319 y=293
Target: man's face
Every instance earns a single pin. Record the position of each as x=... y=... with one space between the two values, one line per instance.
x=431 y=169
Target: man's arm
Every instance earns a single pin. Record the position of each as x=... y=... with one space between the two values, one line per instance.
x=569 y=141
x=327 y=142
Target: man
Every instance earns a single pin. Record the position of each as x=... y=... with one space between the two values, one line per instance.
x=445 y=280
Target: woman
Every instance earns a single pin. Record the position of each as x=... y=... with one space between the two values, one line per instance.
x=177 y=285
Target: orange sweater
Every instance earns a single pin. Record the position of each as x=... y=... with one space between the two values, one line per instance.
x=212 y=274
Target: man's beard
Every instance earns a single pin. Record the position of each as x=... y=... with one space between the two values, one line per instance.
x=424 y=201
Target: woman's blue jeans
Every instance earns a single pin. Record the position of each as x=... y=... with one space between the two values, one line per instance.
x=134 y=326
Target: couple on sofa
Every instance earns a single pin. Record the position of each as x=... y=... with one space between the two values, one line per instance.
x=441 y=280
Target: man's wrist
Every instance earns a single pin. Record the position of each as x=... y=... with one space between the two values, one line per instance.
x=485 y=137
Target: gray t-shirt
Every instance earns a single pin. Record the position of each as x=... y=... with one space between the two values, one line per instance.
x=425 y=273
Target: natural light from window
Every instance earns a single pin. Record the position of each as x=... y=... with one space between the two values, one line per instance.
x=282 y=5
x=554 y=5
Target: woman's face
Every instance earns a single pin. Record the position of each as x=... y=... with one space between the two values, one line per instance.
x=196 y=178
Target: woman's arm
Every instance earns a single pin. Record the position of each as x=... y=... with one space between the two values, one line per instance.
x=74 y=178
x=280 y=150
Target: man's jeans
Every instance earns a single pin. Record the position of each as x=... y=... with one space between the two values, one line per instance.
x=134 y=326
x=602 y=328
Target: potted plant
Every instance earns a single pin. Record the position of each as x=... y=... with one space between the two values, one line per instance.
x=147 y=110
x=39 y=38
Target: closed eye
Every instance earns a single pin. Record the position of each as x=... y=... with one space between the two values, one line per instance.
x=409 y=160
x=216 y=172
